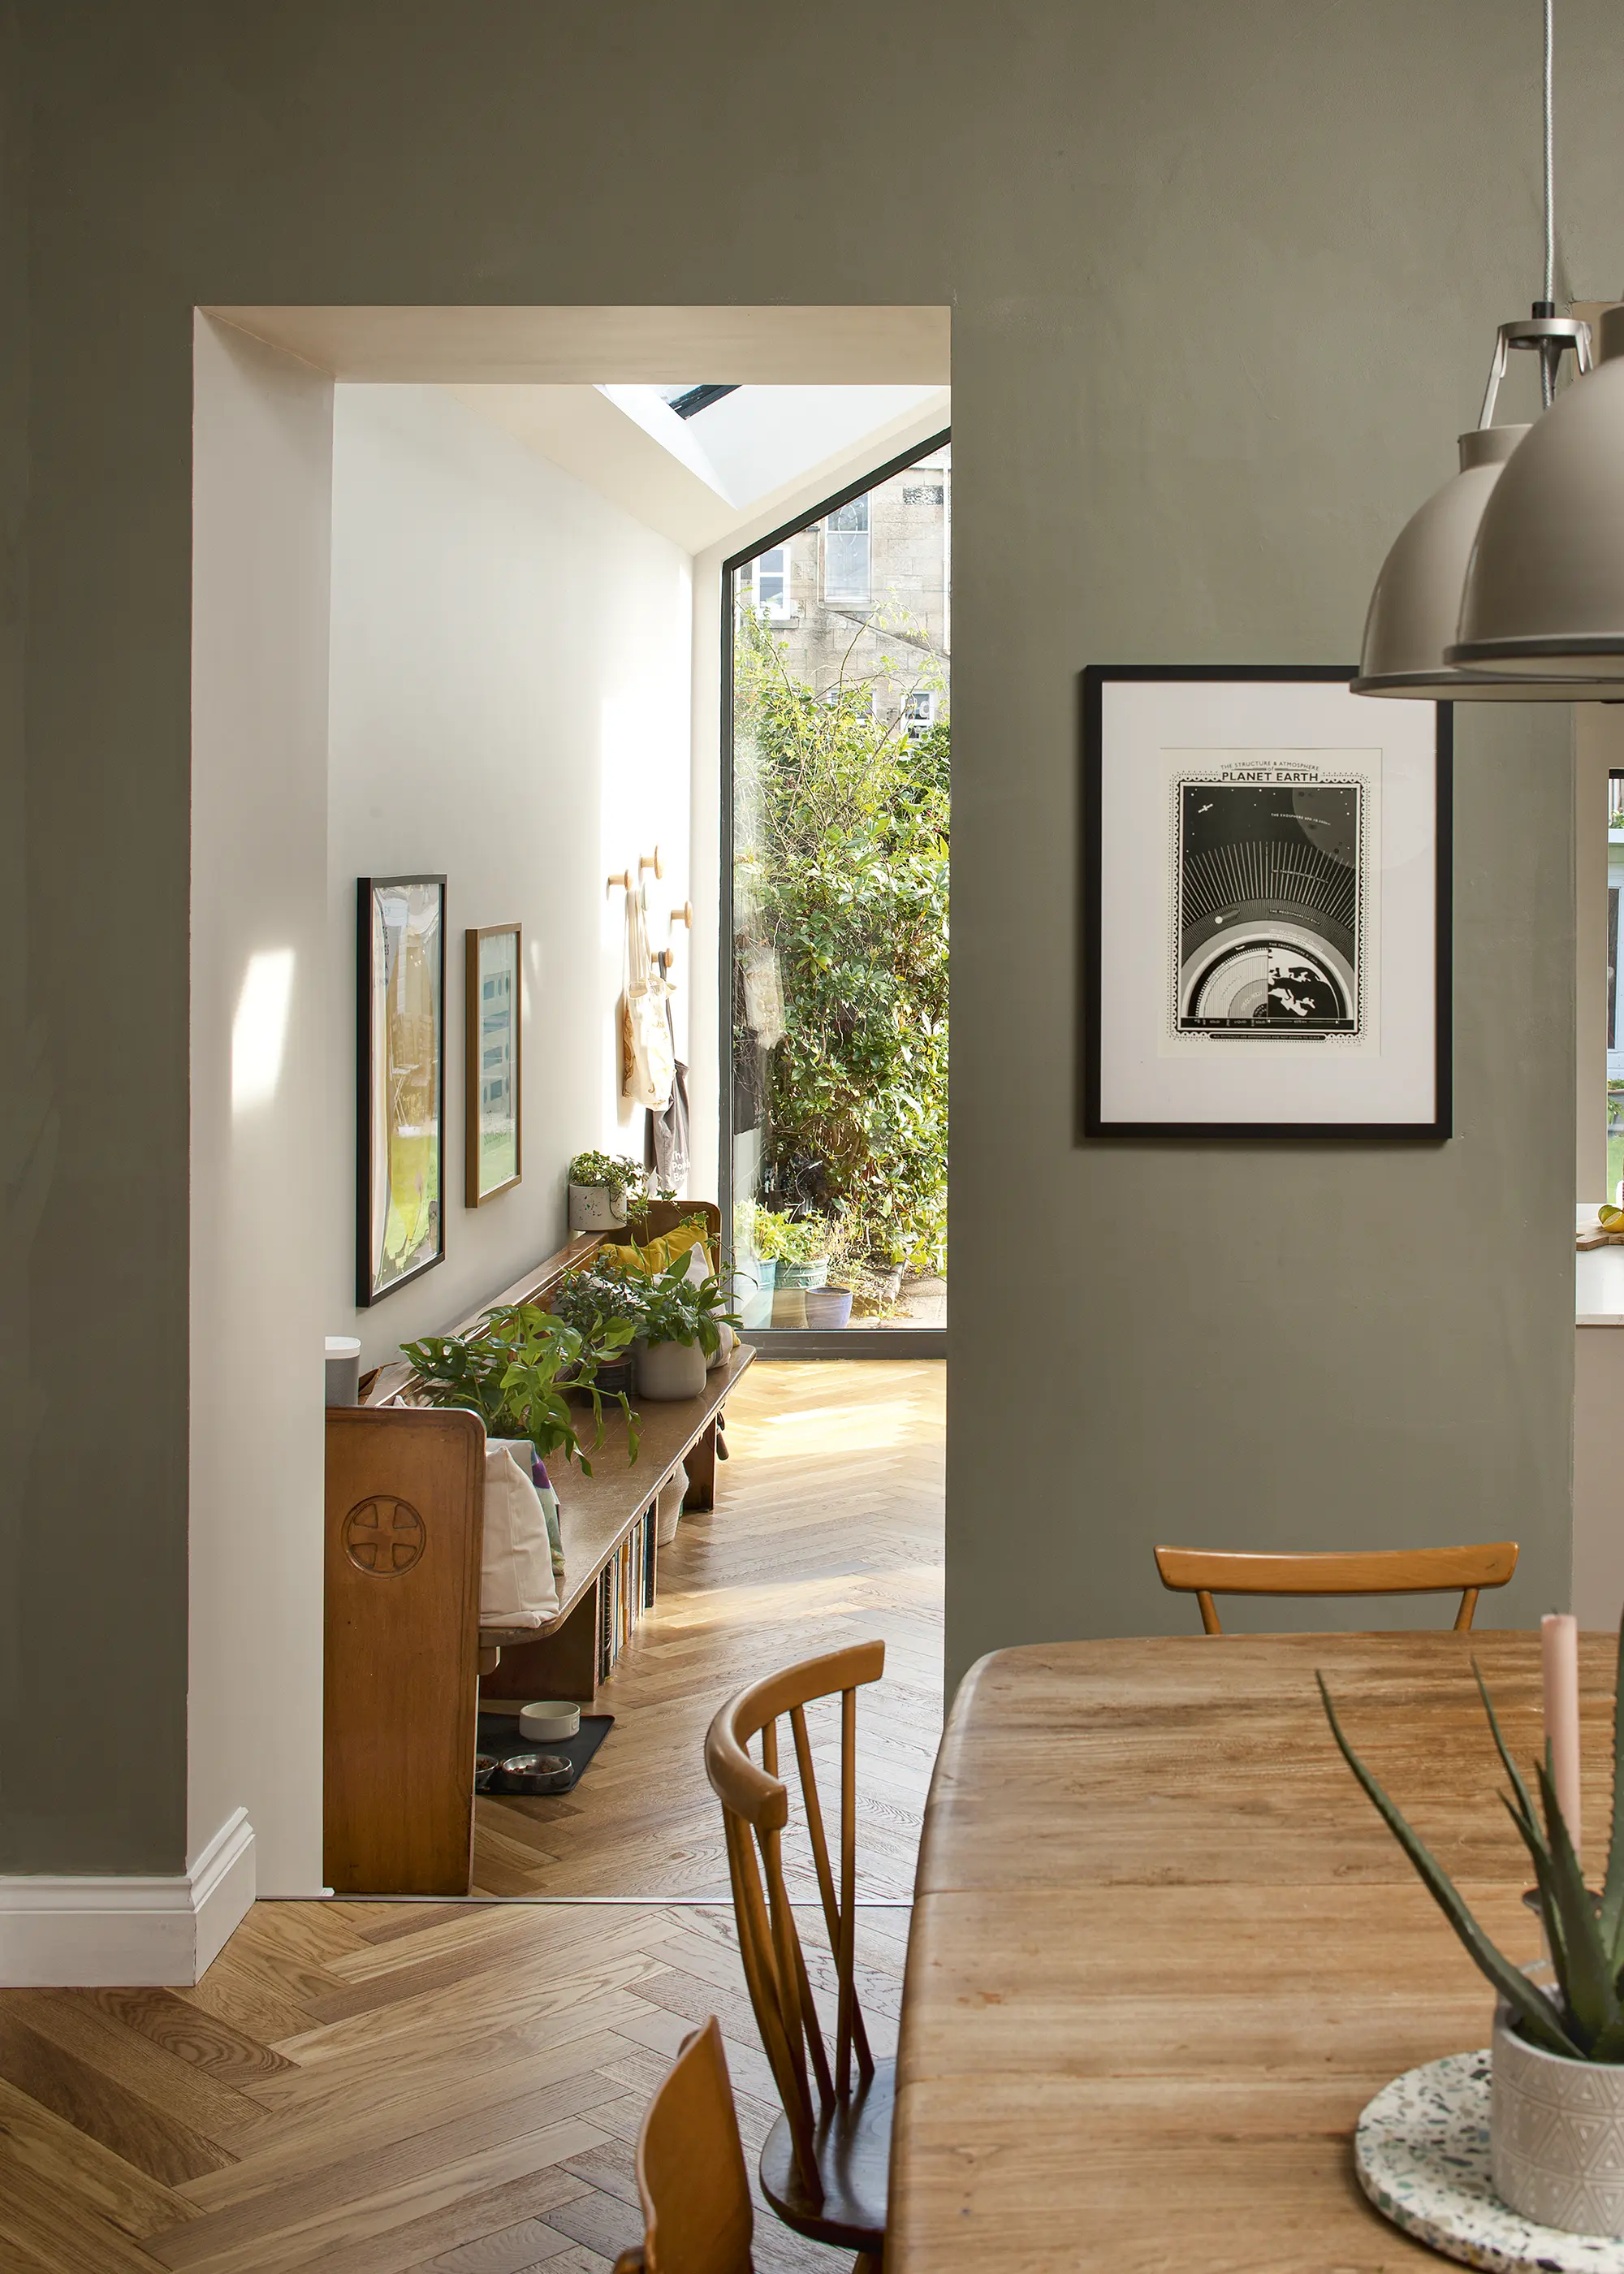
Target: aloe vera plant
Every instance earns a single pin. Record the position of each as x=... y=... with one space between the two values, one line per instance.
x=1584 y=2021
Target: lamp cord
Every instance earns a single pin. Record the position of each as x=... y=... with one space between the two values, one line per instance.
x=1548 y=357
x=1550 y=290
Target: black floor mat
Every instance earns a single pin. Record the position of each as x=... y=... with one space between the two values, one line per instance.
x=498 y=1734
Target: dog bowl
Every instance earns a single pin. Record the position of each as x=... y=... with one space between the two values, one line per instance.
x=550 y=1718
x=484 y=1769
x=536 y=1773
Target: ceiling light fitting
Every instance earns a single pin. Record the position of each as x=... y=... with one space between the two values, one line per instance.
x=1504 y=589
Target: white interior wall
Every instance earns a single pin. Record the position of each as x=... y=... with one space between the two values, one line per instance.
x=510 y=705
x=261 y=502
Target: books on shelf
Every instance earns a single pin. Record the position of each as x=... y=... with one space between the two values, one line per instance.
x=625 y=1590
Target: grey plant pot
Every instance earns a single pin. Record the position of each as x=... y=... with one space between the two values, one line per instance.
x=670 y=1370
x=829 y=1307
x=1556 y=2136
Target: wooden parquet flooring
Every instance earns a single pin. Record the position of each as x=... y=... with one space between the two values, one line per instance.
x=370 y=2089
x=827 y=1529
x=389 y=2088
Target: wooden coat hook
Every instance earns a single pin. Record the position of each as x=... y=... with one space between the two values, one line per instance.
x=683 y=915
x=622 y=877
x=654 y=861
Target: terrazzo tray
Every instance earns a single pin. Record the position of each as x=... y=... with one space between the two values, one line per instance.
x=1421 y=2155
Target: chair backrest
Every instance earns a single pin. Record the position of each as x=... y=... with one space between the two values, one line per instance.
x=691 y=2179
x=755 y=1813
x=1377 y=1571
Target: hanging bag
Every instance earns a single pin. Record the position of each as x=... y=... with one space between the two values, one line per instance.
x=648 y=1058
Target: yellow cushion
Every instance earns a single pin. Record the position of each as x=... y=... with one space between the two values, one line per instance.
x=659 y=1253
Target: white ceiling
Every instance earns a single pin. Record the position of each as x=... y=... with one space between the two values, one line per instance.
x=736 y=466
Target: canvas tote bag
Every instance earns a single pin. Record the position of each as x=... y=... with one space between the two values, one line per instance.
x=516 y=1584
x=647 y=1059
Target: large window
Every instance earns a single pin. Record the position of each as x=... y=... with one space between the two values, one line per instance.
x=837 y=787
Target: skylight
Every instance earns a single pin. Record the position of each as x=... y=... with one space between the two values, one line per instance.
x=687 y=399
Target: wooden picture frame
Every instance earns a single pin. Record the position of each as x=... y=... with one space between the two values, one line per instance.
x=1267 y=879
x=494 y=1109
x=400 y=1082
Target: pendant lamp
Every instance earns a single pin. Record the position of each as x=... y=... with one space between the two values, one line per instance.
x=1415 y=622
x=1544 y=594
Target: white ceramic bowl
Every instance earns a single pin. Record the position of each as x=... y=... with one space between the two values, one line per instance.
x=549 y=1718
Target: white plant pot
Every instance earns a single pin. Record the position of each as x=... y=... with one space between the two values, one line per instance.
x=595 y=1208
x=1556 y=2136
x=670 y=1370
x=668 y=1509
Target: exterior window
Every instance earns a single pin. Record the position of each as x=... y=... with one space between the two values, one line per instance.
x=764 y=583
x=919 y=713
x=846 y=581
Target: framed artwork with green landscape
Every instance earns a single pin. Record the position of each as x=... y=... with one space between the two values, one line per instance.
x=401 y=1082
x=491 y=1107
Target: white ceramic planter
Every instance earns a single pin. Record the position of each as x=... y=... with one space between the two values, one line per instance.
x=595 y=1207
x=671 y=1370
x=668 y=1509
x=1556 y=2136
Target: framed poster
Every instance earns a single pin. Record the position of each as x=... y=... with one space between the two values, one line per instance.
x=1267 y=880
x=491 y=1103
x=400 y=1069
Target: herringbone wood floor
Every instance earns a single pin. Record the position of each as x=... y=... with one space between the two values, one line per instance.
x=370 y=2089
x=827 y=1529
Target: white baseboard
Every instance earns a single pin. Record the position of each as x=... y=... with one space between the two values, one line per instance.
x=160 y=1932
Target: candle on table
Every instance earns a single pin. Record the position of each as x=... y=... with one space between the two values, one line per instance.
x=1559 y=1641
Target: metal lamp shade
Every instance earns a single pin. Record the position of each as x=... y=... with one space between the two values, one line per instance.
x=1544 y=594
x=1416 y=607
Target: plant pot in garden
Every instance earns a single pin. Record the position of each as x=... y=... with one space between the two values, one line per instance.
x=804 y=1274
x=789 y=1307
x=667 y=1371
x=1556 y=2135
x=829 y=1307
x=595 y=1208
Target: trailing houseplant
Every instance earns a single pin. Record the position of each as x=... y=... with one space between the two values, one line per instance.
x=511 y=1371
x=1546 y=2042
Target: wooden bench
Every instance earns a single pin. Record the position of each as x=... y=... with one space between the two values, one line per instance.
x=407 y=1663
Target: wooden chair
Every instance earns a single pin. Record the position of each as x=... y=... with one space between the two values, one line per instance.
x=691 y=2179
x=1379 y=1571
x=823 y=2168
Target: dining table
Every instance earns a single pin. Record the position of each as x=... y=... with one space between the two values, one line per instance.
x=1163 y=1950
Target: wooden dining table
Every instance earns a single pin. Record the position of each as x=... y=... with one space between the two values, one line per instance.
x=1163 y=1950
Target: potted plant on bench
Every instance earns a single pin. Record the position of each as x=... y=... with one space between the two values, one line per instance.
x=599 y=1186
x=679 y=1328
x=512 y=1370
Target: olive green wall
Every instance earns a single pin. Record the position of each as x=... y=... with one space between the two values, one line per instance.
x=1223 y=282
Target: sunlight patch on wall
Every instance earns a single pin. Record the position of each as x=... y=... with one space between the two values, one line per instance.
x=259 y=1029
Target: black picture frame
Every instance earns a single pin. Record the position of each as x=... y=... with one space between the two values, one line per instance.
x=1094 y=1123
x=372 y=1083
